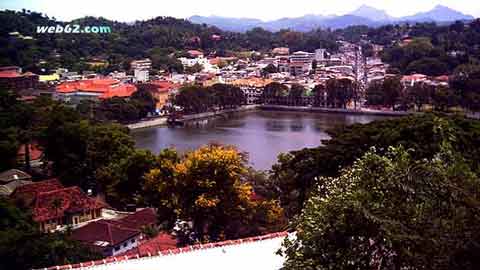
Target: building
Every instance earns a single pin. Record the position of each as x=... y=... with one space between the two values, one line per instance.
x=301 y=62
x=258 y=252
x=410 y=80
x=12 y=78
x=93 y=89
x=107 y=237
x=320 y=55
x=281 y=51
x=161 y=91
x=141 y=69
x=113 y=237
x=54 y=206
x=252 y=88
x=11 y=179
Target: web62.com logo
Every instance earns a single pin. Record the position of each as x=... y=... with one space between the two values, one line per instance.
x=73 y=29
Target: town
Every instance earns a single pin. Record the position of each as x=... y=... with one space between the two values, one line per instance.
x=78 y=193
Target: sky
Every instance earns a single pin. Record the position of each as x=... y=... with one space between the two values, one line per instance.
x=131 y=10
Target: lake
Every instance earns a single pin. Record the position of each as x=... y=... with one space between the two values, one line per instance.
x=263 y=134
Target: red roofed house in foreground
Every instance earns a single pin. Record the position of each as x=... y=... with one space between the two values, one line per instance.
x=112 y=237
x=54 y=206
x=93 y=89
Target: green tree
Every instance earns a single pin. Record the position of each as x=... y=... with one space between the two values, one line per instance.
x=391 y=212
x=295 y=173
x=296 y=93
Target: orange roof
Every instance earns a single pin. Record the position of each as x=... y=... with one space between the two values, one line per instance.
x=106 y=86
x=165 y=85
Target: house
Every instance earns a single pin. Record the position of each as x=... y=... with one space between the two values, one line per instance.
x=260 y=252
x=160 y=90
x=12 y=78
x=410 y=80
x=113 y=237
x=54 y=206
x=74 y=92
x=11 y=179
x=281 y=51
x=107 y=237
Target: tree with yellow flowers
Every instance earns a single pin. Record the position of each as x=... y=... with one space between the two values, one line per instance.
x=209 y=187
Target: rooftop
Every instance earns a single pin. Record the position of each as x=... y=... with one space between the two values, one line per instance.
x=249 y=253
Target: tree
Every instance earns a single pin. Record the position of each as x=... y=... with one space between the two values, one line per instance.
x=295 y=173
x=374 y=94
x=273 y=93
x=392 y=88
x=296 y=93
x=319 y=94
x=391 y=212
x=428 y=66
x=339 y=92
x=444 y=98
x=269 y=69
x=123 y=179
x=420 y=94
x=207 y=187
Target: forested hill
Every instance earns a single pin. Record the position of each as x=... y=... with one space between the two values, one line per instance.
x=161 y=39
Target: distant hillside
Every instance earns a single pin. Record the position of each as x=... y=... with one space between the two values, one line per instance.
x=364 y=15
x=439 y=14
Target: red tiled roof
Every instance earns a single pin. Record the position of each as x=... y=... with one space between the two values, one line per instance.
x=164 y=86
x=107 y=87
x=14 y=74
x=27 y=193
x=139 y=219
x=104 y=231
x=72 y=200
x=163 y=241
x=195 y=53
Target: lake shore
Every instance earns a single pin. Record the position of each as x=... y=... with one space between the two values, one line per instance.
x=162 y=121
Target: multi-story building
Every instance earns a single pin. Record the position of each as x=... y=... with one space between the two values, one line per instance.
x=252 y=88
x=141 y=69
x=301 y=62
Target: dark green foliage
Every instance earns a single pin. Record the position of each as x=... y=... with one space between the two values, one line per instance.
x=294 y=174
x=197 y=99
x=392 y=211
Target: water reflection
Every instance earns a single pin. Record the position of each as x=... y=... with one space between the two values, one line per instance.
x=262 y=134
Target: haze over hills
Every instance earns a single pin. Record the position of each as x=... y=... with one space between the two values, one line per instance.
x=364 y=15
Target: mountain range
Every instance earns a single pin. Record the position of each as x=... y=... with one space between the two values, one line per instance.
x=364 y=15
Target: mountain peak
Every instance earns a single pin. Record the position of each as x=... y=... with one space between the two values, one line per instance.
x=371 y=13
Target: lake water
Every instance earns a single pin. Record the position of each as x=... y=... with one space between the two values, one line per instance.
x=263 y=134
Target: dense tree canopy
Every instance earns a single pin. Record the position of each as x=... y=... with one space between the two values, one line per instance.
x=391 y=211
x=294 y=174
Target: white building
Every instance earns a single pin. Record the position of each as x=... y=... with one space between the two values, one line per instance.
x=141 y=69
x=250 y=253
